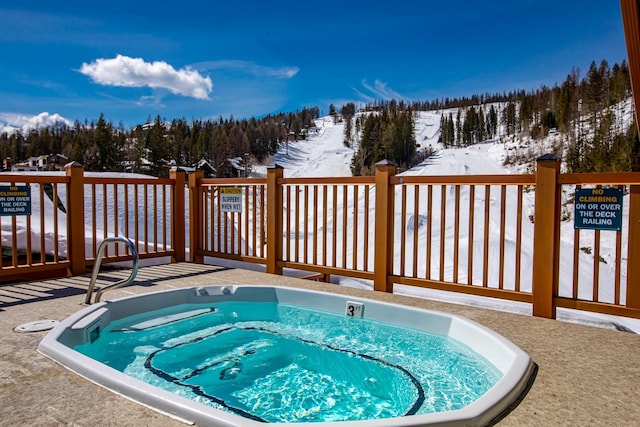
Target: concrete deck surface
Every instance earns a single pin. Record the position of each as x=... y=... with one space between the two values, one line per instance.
x=587 y=376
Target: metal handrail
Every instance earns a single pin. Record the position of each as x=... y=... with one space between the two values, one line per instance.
x=96 y=268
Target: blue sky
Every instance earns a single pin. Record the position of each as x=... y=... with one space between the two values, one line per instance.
x=197 y=60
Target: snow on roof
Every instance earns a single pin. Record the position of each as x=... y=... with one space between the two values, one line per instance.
x=236 y=163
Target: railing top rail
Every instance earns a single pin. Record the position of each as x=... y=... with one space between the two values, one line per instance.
x=232 y=181
x=343 y=180
x=610 y=178
x=35 y=179
x=120 y=180
x=524 y=179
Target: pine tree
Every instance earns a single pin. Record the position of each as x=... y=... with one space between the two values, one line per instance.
x=451 y=130
x=348 y=111
x=492 y=122
x=105 y=145
x=480 y=126
x=525 y=116
x=458 y=129
x=509 y=118
x=566 y=103
x=157 y=147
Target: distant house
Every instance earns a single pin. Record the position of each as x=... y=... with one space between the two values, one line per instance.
x=203 y=165
x=23 y=167
x=39 y=162
x=51 y=162
x=150 y=125
x=232 y=168
x=56 y=162
x=145 y=165
x=33 y=164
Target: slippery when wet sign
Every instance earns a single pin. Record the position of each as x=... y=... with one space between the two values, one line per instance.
x=231 y=199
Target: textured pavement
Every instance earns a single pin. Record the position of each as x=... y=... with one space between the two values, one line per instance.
x=586 y=376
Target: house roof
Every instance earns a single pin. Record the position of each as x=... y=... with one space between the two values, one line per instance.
x=236 y=163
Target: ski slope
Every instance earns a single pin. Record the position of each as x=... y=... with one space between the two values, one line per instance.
x=324 y=154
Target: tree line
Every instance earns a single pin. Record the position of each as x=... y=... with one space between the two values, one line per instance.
x=389 y=133
x=150 y=148
x=590 y=114
x=477 y=126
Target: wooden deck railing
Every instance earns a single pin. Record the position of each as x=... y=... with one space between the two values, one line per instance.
x=437 y=249
x=469 y=234
x=36 y=244
x=136 y=208
x=409 y=230
x=614 y=296
x=328 y=227
x=61 y=235
x=239 y=236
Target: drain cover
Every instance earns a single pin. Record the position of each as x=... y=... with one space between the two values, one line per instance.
x=36 y=326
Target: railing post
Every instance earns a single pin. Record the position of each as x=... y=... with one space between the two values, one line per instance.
x=383 y=250
x=195 y=217
x=274 y=219
x=631 y=25
x=546 y=236
x=633 y=254
x=75 y=218
x=179 y=215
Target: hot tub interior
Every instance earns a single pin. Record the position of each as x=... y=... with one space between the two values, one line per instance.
x=281 y=355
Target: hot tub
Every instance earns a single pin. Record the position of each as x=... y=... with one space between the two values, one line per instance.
x=222 y=355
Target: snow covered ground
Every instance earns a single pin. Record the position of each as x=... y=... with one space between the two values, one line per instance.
x=324 y=154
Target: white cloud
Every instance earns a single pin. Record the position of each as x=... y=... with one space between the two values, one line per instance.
x=135 y=72
x=363 y=96
x=249 y=68
x=379 y=90
x=15 y=122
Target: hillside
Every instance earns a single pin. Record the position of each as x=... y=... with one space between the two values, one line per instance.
x=324 y=154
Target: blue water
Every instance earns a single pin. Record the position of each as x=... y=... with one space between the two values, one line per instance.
x=280 y=363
